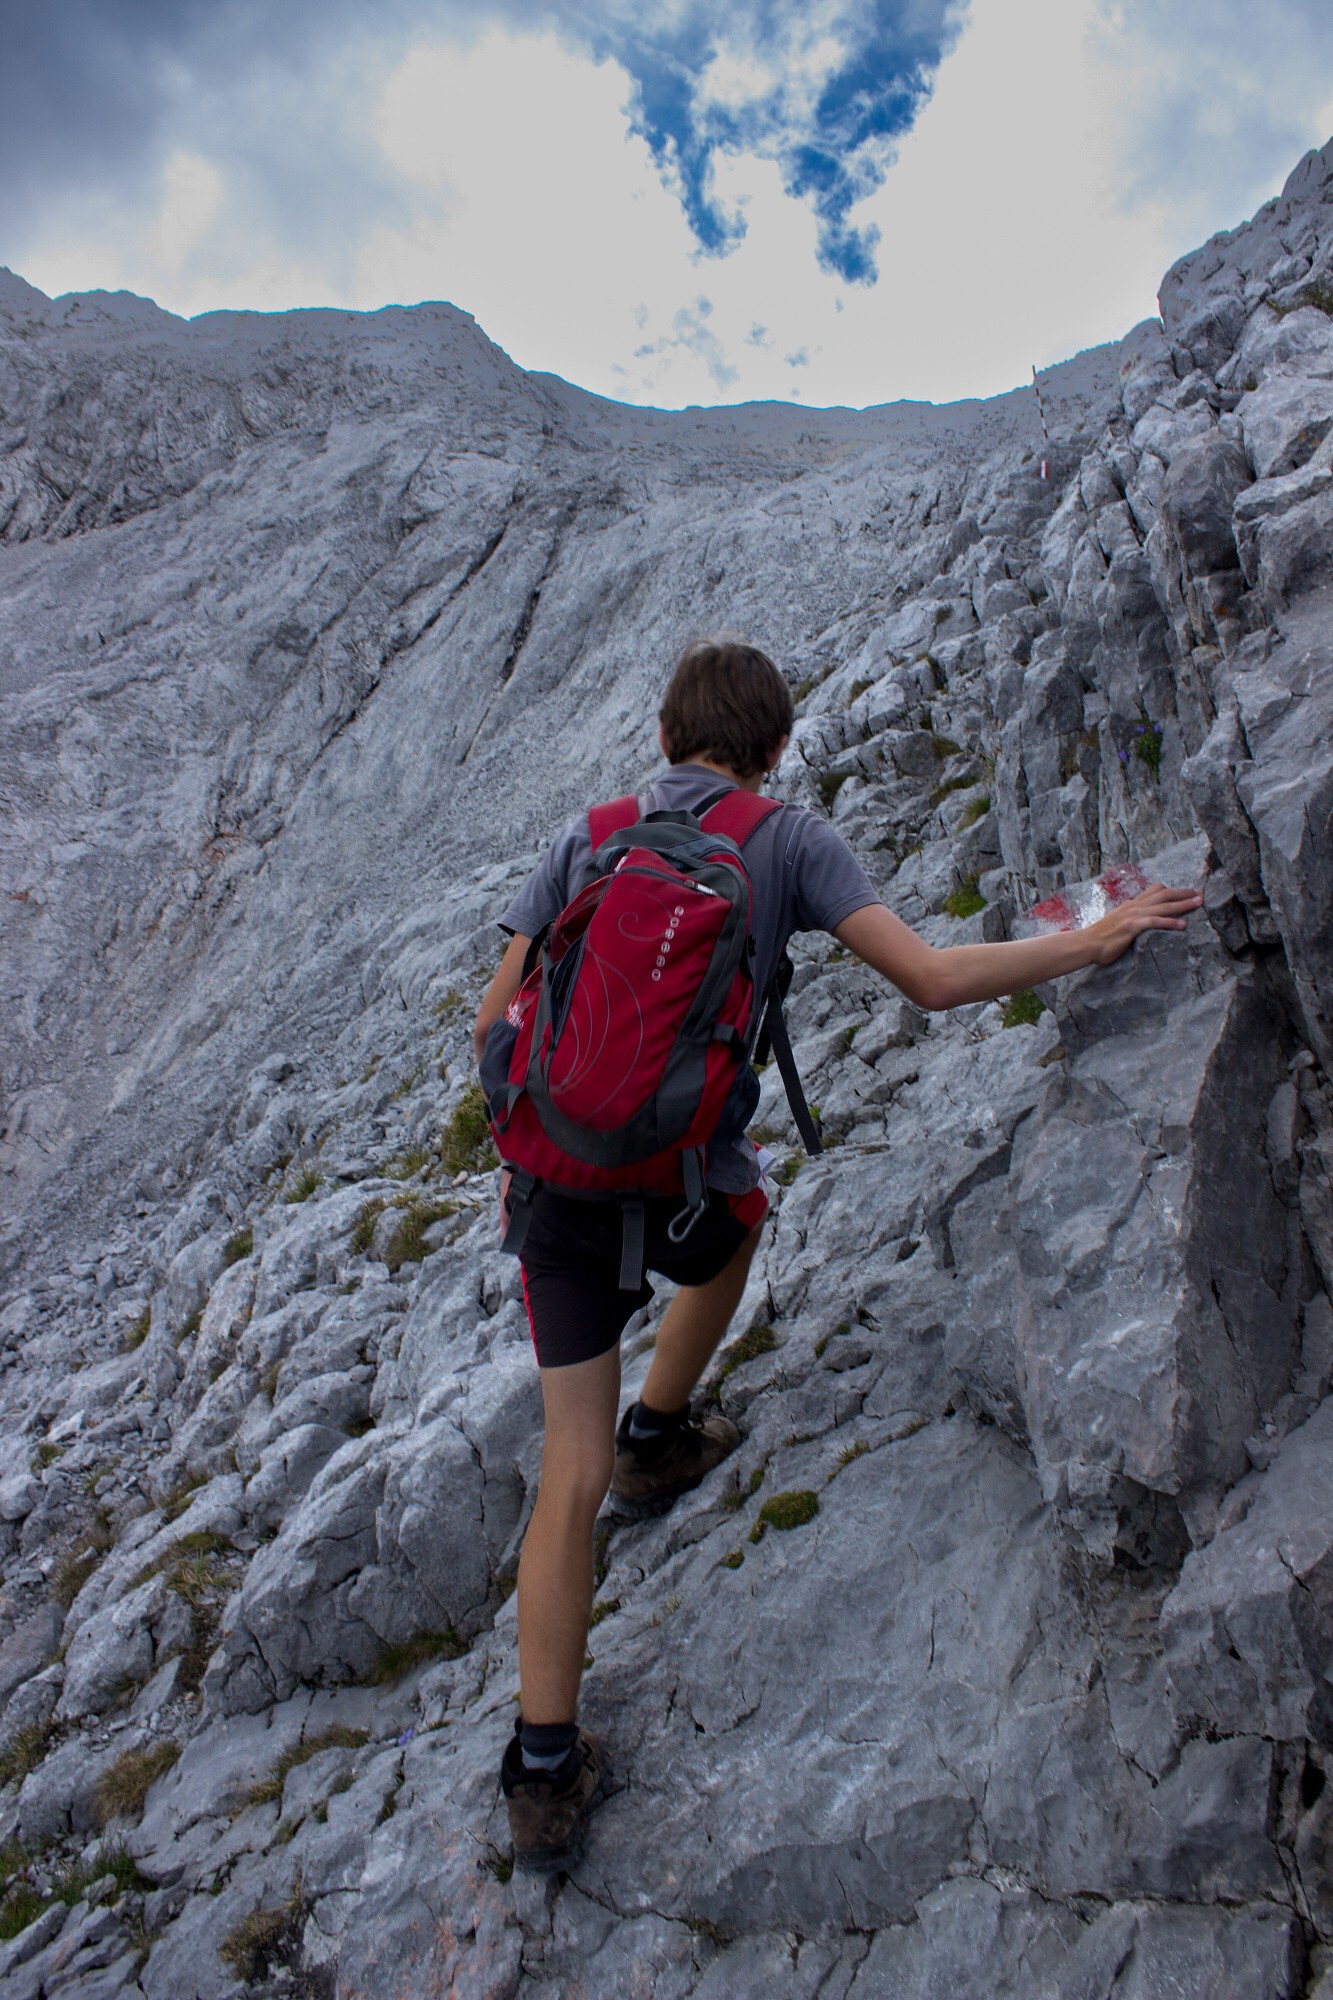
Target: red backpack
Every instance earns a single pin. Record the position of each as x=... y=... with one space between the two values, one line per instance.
x=608 y=1072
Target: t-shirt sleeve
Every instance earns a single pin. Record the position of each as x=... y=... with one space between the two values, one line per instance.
x=827 y=880
x=549 y=887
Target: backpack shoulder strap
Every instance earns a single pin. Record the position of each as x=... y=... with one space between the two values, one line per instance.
x=611 y=818
x=737 y=814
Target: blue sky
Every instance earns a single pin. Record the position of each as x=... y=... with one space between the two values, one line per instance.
x=665 y=201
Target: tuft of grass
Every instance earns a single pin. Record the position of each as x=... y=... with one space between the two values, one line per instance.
x=603 y=1609
x=787 y=1172
x=269 y=1790
x=138 y=1332
x=829 y=784
x=72 y=1881
x=759 y=1340
x=46 y=1454
x=238 y=1247
x=947 y=785
x=358 y=1427
x=408 y=1164
x=851 y=1453
x=450 y=1004
x=251 y=1946
x=181 y=1495
x=303 y=1186
x=196 y=1656
x=407 y=1084
x=22 y=1906
x=408 y=1243
x=734 y=1560
x=364 y=1233
x=974 y=810
x=78 y=1563
x=787 y=1510
x=857 y=689
x=500 y=1865
x=25 y=1751
x=189 y=1326
x=1148 y=746
x=465 y=1143
x=395 y=1661
x=1022 y=1010
x=124 y=1785
x=186 y=1565
x=368 y=1072
x=943 y=746
x=965 y=900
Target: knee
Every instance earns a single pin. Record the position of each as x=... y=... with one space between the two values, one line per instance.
x=576 y=1487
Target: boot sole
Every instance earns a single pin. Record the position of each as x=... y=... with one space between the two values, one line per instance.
x=648 y=1506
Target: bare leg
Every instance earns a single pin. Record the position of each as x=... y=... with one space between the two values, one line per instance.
x=692 y=1329
x=555 y=1580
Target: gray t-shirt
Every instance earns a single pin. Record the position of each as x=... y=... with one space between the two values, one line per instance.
x=804 y=878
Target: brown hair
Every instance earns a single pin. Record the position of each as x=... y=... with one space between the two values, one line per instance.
x=726 y=702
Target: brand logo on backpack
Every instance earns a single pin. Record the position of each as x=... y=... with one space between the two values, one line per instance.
x=672 y=927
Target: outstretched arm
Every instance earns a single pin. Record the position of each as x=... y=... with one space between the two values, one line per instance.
x=500 y=991
x=937 y=977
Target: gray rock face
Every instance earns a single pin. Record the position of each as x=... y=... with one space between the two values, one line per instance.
x=312 y=629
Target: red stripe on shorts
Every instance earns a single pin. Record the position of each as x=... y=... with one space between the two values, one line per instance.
x=527 y=1304
x=749 y=1209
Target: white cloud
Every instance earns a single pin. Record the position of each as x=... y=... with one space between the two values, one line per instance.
x=1062 y=163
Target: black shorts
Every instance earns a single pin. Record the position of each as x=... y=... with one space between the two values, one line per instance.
x=571 y=1265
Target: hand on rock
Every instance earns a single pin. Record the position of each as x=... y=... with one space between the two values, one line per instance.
x=1157 y=909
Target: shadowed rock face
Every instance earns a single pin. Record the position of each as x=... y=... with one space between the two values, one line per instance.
x=313 y=628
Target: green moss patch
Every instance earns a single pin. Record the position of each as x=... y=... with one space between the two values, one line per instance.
x=1022 y=1010
x=788 y=1510
x=759 y=1340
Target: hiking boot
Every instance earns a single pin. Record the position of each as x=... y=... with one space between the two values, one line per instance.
x=650 y=1475
x=544 y=1816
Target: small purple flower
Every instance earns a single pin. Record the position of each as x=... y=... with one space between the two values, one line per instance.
x=1139 y=729
x=1124 y=756
x=406 y=1737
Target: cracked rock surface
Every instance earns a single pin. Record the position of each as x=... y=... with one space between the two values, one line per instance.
x=313 y=627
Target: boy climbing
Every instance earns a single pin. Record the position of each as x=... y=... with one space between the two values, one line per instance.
x=734 y=876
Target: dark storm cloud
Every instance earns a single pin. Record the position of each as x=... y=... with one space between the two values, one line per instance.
x=95 y=93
